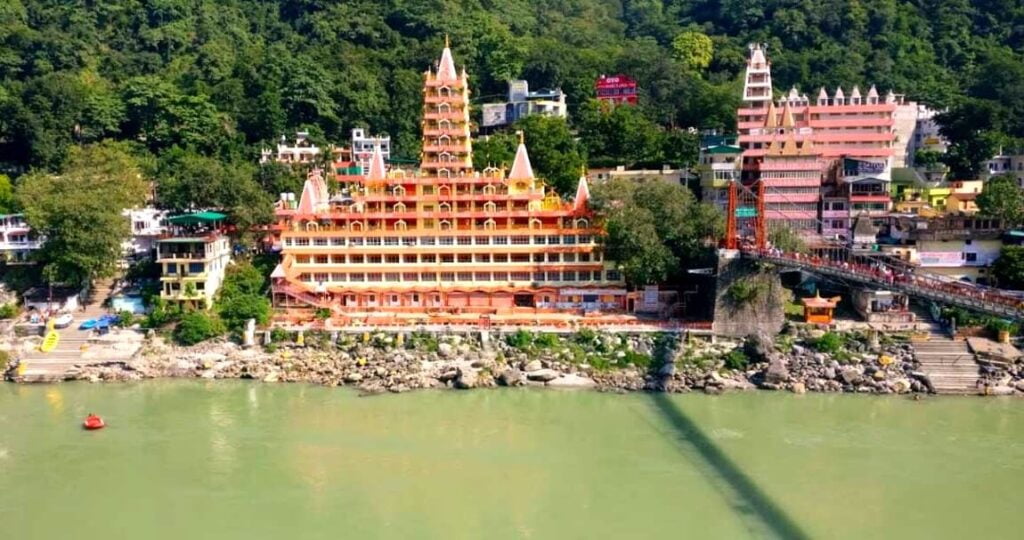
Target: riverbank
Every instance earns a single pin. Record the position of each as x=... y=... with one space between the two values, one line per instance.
x=801 y=360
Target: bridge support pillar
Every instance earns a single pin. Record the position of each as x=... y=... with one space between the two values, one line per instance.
x=749 y=297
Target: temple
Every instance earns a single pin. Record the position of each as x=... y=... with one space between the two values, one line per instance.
x=447 y=240
x=823 y=163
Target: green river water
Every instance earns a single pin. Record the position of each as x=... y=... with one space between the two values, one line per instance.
x=190 y=460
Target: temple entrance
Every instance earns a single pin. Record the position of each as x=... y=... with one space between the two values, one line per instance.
x=524 y=300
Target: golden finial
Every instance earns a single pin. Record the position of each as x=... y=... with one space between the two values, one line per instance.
x=446 y=44
x=520 y=133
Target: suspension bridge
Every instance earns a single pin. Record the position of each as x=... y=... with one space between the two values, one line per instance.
x=747 y=232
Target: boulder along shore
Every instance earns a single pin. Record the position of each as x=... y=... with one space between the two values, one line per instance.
x=802 y=360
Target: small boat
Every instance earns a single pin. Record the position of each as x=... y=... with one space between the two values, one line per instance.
x=50 y=341
x=93 y=422
x=64 y=320
x=88 y=324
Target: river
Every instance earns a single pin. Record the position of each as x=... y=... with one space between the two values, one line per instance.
x=188 y=459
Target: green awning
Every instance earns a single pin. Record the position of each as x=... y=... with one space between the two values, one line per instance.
x=197 y=218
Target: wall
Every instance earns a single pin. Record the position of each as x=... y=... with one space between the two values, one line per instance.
x=763 y=315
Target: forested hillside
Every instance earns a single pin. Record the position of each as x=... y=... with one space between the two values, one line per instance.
x=217 y=78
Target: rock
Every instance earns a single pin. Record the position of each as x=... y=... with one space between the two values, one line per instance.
x=543 y=375
x=851 y=377
x=829 y=373
x=999 y=390
x=820 y=358
x=353 y=377
x=467 y=378
x=759 y=348
x=208 y=374
x=798 y=388
x=667 y=370
x=878 y=375
x=271 y=377
x=511 y=377
x=533 y=365
x=900 y=386
x=572 y=380
x=446 y=350
x=777 y=372
x=1019 y=386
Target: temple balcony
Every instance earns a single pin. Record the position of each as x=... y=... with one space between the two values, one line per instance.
x=461 y=131
x=454 y=100
x=448 y=115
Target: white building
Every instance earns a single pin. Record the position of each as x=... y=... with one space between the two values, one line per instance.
x=147 y=224
x=301 y=151
x=522 y=103
x=193 y=258
x=16 y=239
x=363 y=145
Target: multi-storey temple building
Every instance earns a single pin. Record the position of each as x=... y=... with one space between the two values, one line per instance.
x=822 y=163
x=446 y=239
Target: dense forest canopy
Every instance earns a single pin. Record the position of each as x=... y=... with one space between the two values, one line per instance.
x=220 y=78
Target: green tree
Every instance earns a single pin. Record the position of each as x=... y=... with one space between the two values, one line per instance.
x=554 y=154
x=1003 y=199
x=693 y=50
x=196 y=327
x=79 y=211
x=242 y=297
x=787 y=240
x=8 y=204
x=1008 y=270
x=495 y=150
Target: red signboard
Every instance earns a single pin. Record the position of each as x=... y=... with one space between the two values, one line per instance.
x=616 y=88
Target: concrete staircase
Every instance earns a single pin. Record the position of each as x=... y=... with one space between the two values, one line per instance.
x=55 y=365
x=949 y=365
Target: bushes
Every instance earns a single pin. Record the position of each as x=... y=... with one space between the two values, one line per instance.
x=521 y=339
x=8 y=311
x=546 y=341
x=322 y=314
x=125 y=319
x=830 y=343
x=745 y=291
x=736 y=360
x=197 y=326
x=241 y=297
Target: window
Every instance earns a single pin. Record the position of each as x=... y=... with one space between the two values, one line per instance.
x=302 y=241
x=465 y=276
x=538 y=276
x=319 y=241
x=172 y=269
x=500 y=240
x=427 y=240
x=971 y=257
x=554 y=240
x=483 y=240
x=409 y=241
x=391 y=259
x=482 y=258
x=446 y=241
x=391 y=276
x=338 y=277
x=584 y=257
x=569 y=275
x=568 y=257
x=195 y=268
x=391 y=241
x=500 y=257
x=482 y=276
x=410 y=276
x=584 y=239
x=409 y=259
x=520 y=257
x=613 y=275
x=356 y=259
x=373 y=241
x=540 y=240
x=520 y=240
x=338 y=241
x=447 y=258
x=428 y=258
x=447 y=276
x=569 y=239
x=373 y=259
x=520 y=276
x=465 y=240
x=538 y=257
x=374 y=277
x=355 y=241
x=465 y=258
x=322 y=259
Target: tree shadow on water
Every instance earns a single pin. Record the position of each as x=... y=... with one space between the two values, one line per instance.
x=754 y=506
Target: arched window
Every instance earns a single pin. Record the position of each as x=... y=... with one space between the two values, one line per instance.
x=400 y=225
x=444 y=207
x=444 y=157
x=312 y=226
x=444 y=108
x=357 y=225
x=444 y=124
x=444 y=173
x=489 y=189
x=444 y=91
x=445 y=225
x=582 y=223
x=444 y=140
x=490 y=225
x=535 y=223
x=399 y=207
x=490 y=207
x=444 y=191
x=399 y=191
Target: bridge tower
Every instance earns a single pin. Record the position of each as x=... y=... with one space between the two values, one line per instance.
x=745 y=216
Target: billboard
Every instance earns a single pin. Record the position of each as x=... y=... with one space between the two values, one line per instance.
x=494 y=115
x=941 y=258
x=859 y=167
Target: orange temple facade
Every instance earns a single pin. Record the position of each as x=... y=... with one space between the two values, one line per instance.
x=447 y=239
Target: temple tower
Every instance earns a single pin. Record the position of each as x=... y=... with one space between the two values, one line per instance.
x=447 y=150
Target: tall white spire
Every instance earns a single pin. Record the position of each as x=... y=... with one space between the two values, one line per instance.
x=521 y=168
x=377 y=170
x=446 y=66
x=757 y=85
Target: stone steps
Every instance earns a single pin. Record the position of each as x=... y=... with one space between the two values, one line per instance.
x=949 y=365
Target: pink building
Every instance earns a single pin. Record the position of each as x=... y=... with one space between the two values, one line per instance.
x=819 y=136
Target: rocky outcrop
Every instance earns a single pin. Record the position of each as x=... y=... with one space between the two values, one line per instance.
x=749 y=298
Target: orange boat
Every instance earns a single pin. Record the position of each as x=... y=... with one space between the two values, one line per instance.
x=93 y=422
